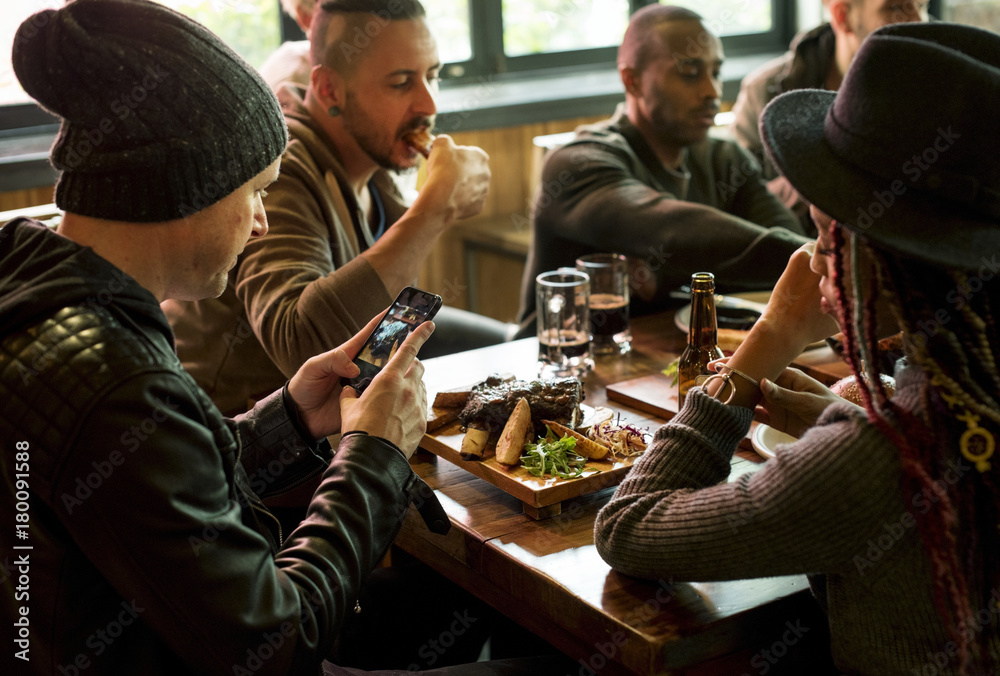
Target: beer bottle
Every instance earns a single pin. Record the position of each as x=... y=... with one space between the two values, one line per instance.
x=703 y=336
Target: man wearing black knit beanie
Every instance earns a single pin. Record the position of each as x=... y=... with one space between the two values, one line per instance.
x=144 y=547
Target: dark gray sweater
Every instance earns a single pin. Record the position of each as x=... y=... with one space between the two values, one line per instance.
x=829 y=505
x=607 y=191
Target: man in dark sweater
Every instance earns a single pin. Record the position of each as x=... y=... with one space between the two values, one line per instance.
x=650 y=183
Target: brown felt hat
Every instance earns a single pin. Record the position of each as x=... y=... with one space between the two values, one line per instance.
x=907 y=153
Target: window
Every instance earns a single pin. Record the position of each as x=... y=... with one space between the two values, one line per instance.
x=251 y=27
x=476 y=38
x=982 y=13
x=511 y=36
x=450 y=19
x=533 y=27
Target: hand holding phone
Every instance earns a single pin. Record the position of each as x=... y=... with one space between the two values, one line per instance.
x=411 y=308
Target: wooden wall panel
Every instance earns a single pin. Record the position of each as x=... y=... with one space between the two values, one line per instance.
x=20 y=199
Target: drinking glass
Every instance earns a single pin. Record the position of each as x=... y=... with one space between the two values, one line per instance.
x=609 y=299
x=562 y=298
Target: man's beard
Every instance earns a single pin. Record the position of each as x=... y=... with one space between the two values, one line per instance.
x=361 y=127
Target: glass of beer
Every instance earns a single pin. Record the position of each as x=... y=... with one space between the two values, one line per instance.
x=563 y=311
x=609 y=299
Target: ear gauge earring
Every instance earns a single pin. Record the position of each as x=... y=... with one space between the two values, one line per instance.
x=334 y=111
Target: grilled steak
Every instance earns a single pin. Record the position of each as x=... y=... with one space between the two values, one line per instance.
x=491 y=402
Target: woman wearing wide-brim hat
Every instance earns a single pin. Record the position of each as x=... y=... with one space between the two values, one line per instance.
x=890 y=507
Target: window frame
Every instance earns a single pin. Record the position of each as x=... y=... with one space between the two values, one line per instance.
x=485 y=16
x=489 y=60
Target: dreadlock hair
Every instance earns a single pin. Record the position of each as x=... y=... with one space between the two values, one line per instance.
x=956 y=350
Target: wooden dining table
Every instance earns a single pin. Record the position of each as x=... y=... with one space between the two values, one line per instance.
x=546 y=573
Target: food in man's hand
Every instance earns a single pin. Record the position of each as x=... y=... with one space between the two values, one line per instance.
x=515 y=434
x=474 y=442
x=420 y=140
x=492 y=401
x=589 y=448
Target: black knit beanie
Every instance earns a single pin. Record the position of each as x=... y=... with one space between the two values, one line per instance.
x=160 y=118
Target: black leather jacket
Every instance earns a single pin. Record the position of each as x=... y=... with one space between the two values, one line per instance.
x=149 y=549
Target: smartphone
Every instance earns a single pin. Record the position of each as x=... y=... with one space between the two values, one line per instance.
x=411 y=308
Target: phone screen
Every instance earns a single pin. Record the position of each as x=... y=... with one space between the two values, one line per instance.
x=411 y=308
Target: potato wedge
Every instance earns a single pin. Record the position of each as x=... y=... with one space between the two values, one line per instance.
x=512 y=439
x=474 y=442
x=588 y=448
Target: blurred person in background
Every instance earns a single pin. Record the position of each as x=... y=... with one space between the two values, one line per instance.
x=291 y=61
x=816 y=59
x=652 y=184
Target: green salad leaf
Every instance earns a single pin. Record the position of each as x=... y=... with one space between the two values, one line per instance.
x=551 y=455
x=671 y=371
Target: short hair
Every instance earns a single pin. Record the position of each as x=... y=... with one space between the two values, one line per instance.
x=338 y=53
x=641 y=38
x=291 y=6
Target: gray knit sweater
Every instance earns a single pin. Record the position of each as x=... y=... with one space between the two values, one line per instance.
x=829 y=505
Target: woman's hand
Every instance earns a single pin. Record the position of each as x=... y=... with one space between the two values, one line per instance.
x=794 y=402
x=792 y=320
x=794 y=309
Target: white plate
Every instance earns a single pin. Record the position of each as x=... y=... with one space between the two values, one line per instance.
x=682 y=318
x=765 y=439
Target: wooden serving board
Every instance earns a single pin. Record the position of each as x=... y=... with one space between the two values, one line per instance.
x=542 y=496
x=653 y=394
